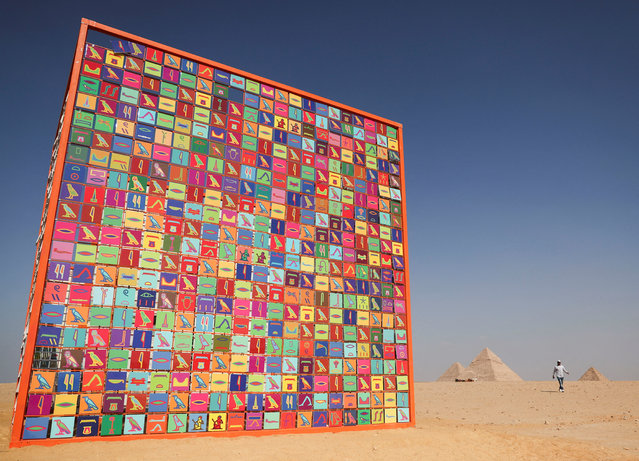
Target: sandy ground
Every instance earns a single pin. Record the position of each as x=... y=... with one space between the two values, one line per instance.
x=455 y=421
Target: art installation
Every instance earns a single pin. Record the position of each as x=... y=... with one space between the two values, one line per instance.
x=218 y=253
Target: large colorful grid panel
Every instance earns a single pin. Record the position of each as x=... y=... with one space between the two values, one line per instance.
x=226 y=255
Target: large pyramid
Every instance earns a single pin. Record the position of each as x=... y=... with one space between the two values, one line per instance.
x=592 y=374
x=487 y=366
x=452 y=373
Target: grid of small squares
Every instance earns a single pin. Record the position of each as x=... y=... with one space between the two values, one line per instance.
x=226 y=256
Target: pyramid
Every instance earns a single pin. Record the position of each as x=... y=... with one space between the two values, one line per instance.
x=453 y=372
x=467 y=375
x=487 y=366
x=592 y=374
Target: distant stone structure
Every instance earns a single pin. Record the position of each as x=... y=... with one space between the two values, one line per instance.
x=487 y=366
x=592 y=374
x=452 y=373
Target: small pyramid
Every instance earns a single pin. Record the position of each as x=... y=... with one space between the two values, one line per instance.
x=592 y=374
x=487 y=366
x=467 y=375
x=452 y=373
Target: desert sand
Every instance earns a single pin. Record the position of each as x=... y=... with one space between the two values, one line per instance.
x=455 y=421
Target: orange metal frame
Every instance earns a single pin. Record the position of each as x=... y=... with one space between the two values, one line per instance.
x=39 y=276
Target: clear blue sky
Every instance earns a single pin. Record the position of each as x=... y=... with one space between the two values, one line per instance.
x=521 y=137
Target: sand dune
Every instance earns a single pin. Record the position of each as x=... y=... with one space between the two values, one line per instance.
x=475 y=421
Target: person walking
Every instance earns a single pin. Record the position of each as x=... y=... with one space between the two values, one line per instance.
x=560 y=372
